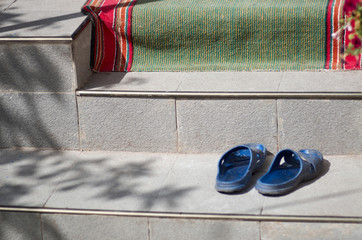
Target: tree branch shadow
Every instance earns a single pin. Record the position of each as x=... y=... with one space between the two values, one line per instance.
x=34 y=25
x=108 y=179
x=100 y=179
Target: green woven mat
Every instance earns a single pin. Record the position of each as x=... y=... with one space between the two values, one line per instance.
x=228 y=35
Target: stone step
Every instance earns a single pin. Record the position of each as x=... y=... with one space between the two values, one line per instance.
x=39 y=76
x=134 y=195
x=44 y=60
x=198 y=112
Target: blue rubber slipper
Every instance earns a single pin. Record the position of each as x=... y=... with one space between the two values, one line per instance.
x=237 y=165
x=284 y=176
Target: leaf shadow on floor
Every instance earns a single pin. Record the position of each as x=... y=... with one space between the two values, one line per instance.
x=88 y=177
x=33 y=178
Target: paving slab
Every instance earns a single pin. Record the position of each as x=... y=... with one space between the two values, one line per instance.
x=39 y=18
x=312 y=231
x=195 y=176
x=93 y=227
x=33 y=5
x=135 y=81
x=20 y=226
x=114 y=181
x=28 y=178
x=337 y=192
x=193 y=229
x=231 y=82
x=186 y=81
x=324 y=81
x=5 y=5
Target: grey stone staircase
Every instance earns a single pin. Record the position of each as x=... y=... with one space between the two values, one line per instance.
x=88 y=155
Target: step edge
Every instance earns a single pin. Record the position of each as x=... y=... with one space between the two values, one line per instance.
x=29 y=40
x=207 y=94
x=201 y=216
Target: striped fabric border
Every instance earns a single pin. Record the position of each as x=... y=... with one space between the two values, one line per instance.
x=333 y=46
x=113 y=50
x=334 y=13
x=351 y=62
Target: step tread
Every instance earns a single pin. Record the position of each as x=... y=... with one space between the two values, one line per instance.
x=272 y=82
x=173 y=183
x=54 y=18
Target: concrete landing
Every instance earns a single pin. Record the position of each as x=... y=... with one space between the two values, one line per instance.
x=155 y=183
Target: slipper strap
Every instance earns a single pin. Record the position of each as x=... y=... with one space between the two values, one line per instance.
x=224 y=159
x=314 y=160
x=259 y=155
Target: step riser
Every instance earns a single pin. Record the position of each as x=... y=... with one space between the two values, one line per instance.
x=45 y=64
x=38 y=120
x=193 y=125
x=38 y=80
x=186 y=125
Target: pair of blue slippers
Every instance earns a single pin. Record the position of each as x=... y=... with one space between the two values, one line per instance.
x=287 y=171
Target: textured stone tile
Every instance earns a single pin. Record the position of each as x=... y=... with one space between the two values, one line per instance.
x=114 y=181
x=20 y=226
x=331 y=126
x=215 y=125
x=71 y=5
x=129 y=124
x=81 y=55
x=336 y=192
x=19 y=21
x=93 y=227
x=40 y=67
x=38 y=120
x=202 y=229
x=28 y=178
x=190 y=187
x=312 y=231
x=136 y=81
x=231 y=81
x=325 y=81
x=187 y=81
x=5 y=4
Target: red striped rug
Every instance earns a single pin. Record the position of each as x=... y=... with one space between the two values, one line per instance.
x=113 y=49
